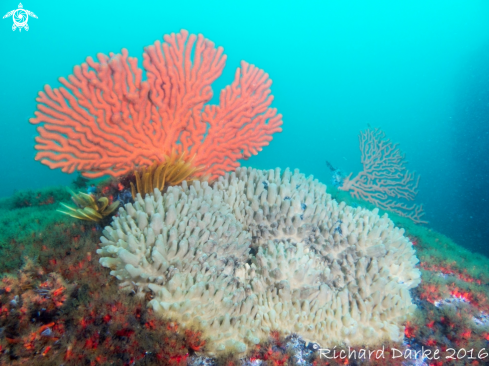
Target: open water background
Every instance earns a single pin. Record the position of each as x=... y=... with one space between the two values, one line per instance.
x=417 y=69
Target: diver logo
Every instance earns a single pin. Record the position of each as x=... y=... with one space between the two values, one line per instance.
x=20 y=17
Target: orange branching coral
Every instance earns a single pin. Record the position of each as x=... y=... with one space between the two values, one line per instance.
x=172 y=171
x=106 y=120
x=384 y=181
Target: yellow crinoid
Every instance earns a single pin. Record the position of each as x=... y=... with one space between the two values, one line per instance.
x=88 y=208
x=173 y=170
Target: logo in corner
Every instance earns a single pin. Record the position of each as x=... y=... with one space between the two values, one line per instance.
x=20 y=17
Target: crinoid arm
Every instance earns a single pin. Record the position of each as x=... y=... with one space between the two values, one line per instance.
x=91 y=213
x=77 y=213
x=172 y=171
x=103 y=203
x=88 y=208
x=111 y=208
x=82 y=199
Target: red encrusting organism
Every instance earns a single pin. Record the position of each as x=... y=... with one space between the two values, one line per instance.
x=450 y=269
x=107 y=120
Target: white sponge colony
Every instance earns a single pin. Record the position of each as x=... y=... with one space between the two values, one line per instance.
x=260 y=251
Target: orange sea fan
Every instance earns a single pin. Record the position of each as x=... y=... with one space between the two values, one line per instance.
x=107 y=120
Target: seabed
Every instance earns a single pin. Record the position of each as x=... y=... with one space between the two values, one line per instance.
x=59 y=306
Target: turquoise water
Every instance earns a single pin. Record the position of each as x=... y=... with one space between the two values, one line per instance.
x=417 y=70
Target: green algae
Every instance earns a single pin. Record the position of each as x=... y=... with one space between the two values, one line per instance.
x=29 y=221
x=31 y=198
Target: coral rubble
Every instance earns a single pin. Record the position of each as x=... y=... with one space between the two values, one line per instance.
x=259 y=251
